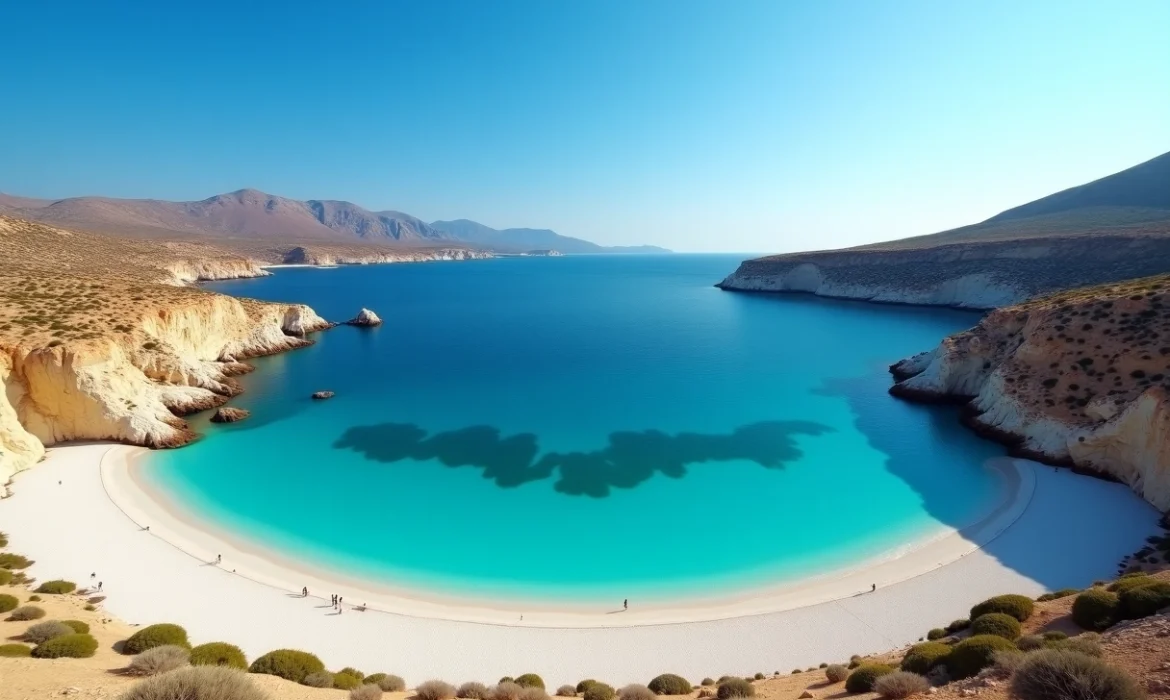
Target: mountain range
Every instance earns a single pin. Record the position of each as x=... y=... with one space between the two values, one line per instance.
x=258 y=216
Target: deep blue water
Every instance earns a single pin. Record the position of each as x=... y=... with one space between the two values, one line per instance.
x=583 y=427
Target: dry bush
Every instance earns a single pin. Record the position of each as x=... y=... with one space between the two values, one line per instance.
x=1066 y=675
x=533 y=693
x=27 y=612
x=900 y=684
x=197 y=683
x=390 y=683
x=473 y=690
x=159 y=660
x=634 y=691
x=506 y=690
x=435 y=690
x=369 y=691
x=836 y=673
x=44 y=631
x=567 y=691
x=318 y=679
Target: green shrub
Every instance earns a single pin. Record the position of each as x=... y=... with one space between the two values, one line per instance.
x=57 y=587
x=973 y=654
x=27 y=612
x=219 y=654
x=346 y=681
x=289 y=664
x=921 y=658
x=202 y=683
x=5 y=577
x=936 y=633
x=34 y=599
x=318 y=679
x=72 y=646
x=900 y=684
x=670 y=684
x=958 y=625
x=1054 y=635
x=735 y=688
x=44 y=631
x=1018 y=606
x=158 y=660
x=350 y=670
x=635 y=691
x=367 y=691
x=865 y=675
x=156 y=636
x=529 y=680
x=704 y=682
x=1057 y=595
x=565 y=691
x=1063 y=675
x=1143 y=601
x=1129 y=581
x=506 y=679
x=11 y=650
x=584 y=685
x=8 y=560
x=1095 y=609
x=90 y=607
x=599 y=691
x=836 y=673
x=8 y=602
x=3 y=540
x=78 y=626
x=435 y=690
x=473 y=690
x=999 y=624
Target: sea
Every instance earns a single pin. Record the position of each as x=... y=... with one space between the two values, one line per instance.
x=582 y=428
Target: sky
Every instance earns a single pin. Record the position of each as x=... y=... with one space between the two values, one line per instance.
x=744 y=126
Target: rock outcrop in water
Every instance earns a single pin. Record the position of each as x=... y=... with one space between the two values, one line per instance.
x=321 y=395
x=365 y=317
x=1080 y=379
x=227 y=414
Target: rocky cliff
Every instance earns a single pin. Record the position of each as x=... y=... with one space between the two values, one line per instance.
x=982 y=275
x=1080 y=378
x=327 y=256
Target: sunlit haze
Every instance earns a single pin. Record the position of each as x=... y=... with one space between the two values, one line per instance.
x=698 y=126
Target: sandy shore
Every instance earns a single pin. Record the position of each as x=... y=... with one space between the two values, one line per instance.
x=168 y=574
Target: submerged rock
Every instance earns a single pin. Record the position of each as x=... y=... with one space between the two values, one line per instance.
x=365 y=317
x=322 y=395
x=227 y=414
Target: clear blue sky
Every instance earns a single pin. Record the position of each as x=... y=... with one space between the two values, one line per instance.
x=745 y=126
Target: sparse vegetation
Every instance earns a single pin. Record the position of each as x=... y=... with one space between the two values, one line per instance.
x=346 y=681
x=1056 y=595
x=634 y=691
x=158 y=660
x=936 y=633
x=507 y=690
x=8 y=560
x=318 y=679
x=44 y=631
x=474 y=690
x=289 y=664
x=900 y=684
x=156 y=636
x=1018 y=606
x=1142 y=601
x=1064 y=675
x=836 y=673
x=921 y=658
x=388 y=682
x=368 y=691
x=599 y=691
x=435 y=690
x=77 y=626
x=999 y=624
x=219 y=654
x=8 y=603
x=565 y=691
x=734 y=688
x=199 y=683
x=27 y=612
x=529 y=680
x=15 y=650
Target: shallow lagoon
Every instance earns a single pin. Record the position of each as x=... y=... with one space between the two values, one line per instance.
x=583 y=428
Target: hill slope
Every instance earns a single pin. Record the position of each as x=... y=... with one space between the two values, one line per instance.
x=522 y=239
x=1111 y=229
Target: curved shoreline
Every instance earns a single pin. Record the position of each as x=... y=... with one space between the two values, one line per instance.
x=204 y=540
x=148 y=580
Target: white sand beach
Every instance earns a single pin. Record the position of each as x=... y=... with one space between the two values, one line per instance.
x=82 y=511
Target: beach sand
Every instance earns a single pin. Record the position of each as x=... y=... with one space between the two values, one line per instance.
x=1069 y=530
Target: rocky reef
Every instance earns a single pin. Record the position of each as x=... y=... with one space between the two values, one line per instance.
x=365 y=317
x=1079 y=378
x=982 y=275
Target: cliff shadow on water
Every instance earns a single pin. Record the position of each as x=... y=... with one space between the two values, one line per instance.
x=629 y=459
x=1059 y=521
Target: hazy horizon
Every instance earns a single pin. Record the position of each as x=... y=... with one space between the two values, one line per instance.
x=696 y=126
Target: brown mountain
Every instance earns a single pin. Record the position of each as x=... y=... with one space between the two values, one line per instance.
x=240 y=214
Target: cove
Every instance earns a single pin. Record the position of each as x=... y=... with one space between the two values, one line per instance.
x=582 y=428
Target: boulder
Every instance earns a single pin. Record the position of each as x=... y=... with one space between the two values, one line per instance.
x=227 y=414
x=807 y=694
x=322 y=395
x=365 y=317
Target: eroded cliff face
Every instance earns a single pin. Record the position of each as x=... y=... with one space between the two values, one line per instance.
x=326 y=255
x=1081 y=378
x=967 y=275
x=133 y=386
x=207 y=270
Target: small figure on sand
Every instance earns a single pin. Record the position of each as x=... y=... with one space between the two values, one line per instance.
x=334 y=600
x=626 y=604
x=218 y=558
x=873 y=589
x=92 y=576
x=305 y=592
x=99 y=586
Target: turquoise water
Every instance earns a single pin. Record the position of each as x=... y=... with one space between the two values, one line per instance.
x=582 y=428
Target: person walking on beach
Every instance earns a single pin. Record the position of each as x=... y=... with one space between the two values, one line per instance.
x=99 y=586
x=874 y=589
x=305 y=592
x=626 y=604
x=218 y=558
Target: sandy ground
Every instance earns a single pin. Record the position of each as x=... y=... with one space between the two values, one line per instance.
x=1074 y=530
